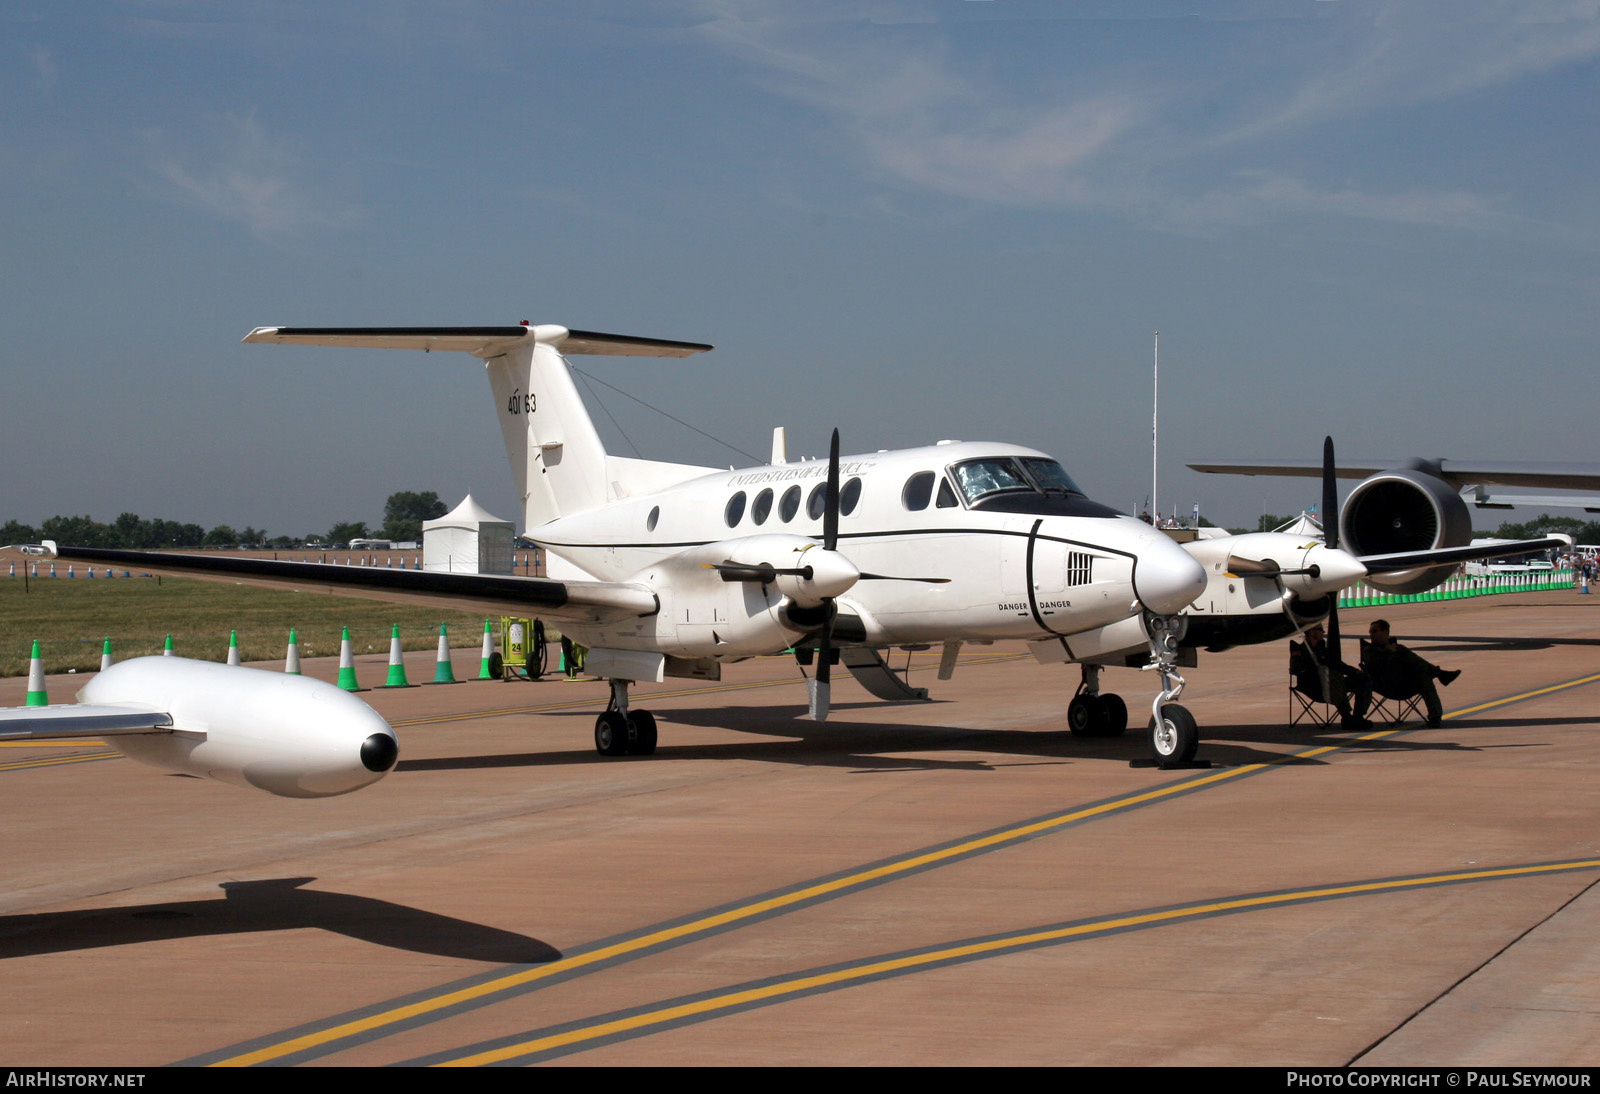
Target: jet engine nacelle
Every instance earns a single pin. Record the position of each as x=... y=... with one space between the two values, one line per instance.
x=288 y=735
x=718 y=601
x=1406 y=509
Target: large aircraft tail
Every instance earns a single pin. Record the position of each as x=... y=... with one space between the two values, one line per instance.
x=557 y=461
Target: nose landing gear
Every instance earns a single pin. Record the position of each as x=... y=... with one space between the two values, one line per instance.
x=1174 y=735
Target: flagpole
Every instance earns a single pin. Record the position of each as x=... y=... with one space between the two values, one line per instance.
x=1155 y=431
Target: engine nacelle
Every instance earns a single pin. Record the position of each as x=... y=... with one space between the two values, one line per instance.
x=705 y=615
x=288 y=735
x=1406 y=509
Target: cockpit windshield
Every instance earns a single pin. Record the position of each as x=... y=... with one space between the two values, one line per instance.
x=1002 y=474
x=980 y=478
x=1050 y=476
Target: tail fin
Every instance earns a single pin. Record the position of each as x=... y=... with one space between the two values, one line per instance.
x=557 y=461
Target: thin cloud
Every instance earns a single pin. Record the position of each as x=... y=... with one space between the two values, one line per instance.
x=251 y=177
x=44 y=64
x=934 y=110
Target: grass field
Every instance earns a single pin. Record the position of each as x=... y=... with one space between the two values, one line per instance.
x=71 y=620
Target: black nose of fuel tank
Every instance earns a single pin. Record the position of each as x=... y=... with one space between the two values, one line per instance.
x=379 y=752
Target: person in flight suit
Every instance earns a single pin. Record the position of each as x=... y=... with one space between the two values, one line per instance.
x=1399 y=673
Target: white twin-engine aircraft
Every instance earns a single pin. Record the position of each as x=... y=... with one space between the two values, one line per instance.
x=668 y=569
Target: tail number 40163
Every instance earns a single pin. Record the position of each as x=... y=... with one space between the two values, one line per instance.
x=522 y=404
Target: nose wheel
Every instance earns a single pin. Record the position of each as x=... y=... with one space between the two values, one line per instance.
x=1174 y=736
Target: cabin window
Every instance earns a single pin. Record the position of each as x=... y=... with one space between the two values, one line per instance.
x=947 y=496
x=918 y=492
x=818 y=501
x=850 y=497
x=650 y=521
x=790 y=505
x=761 y=508
x=735 y=511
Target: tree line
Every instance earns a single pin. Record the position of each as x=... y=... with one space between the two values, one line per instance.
x=403 y=515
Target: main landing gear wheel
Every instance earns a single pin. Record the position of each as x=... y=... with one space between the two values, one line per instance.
x=642 y=738
x=1173 y=743
x=611 y=733
x=1097 y=716
x=630 y=734
x=1086 y=716
x=1115 y=715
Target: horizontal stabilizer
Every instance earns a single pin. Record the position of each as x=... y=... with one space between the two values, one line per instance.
x=475 y=339
x=68 y=720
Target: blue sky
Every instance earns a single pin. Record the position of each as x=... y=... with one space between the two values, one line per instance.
x=908 y=220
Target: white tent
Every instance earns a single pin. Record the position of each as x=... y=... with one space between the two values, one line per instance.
x=467 y=540
x=1303 y=525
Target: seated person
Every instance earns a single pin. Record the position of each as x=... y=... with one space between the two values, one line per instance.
x=1398 y=673
x=1308 y=662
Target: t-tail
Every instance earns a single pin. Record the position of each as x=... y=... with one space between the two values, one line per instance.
x=557 y=459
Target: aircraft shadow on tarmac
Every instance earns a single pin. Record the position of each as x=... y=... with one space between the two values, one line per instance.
x=882 y=746
x=278 y=904
x=1485 y=644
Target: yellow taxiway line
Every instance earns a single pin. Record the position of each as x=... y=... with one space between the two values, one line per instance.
x=722 y=919
x=675 y=1012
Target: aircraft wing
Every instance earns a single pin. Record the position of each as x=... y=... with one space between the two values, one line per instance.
x=1459 y=473
x=70 y=720
x=471 y=339
x=558 y=601
x=1451 y=556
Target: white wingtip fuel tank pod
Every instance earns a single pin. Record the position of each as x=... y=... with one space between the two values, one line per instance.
x=288 y=735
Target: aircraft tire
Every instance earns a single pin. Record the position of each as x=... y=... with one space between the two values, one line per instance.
x=1114 y=715
x=642 y=732
x=1175 y=745
x=1086 y=717
x=611 y=734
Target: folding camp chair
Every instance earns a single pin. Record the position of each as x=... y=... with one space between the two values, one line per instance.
x=1314 y=710
x=1392 y=709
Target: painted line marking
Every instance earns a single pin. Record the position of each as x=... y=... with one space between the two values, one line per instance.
x=57 y=761
x=76 y=742
x=544 y=1044
x=426 y=1006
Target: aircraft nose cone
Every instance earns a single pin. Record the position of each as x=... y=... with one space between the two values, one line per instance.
x=1166 y=578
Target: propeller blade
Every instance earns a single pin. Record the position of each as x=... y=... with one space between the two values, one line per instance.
x=1330 y=495
x=1239 y=566
x=830 y=512
x=819 y=686
x=762 y=573
x=892 y=577
x=1330 y=533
